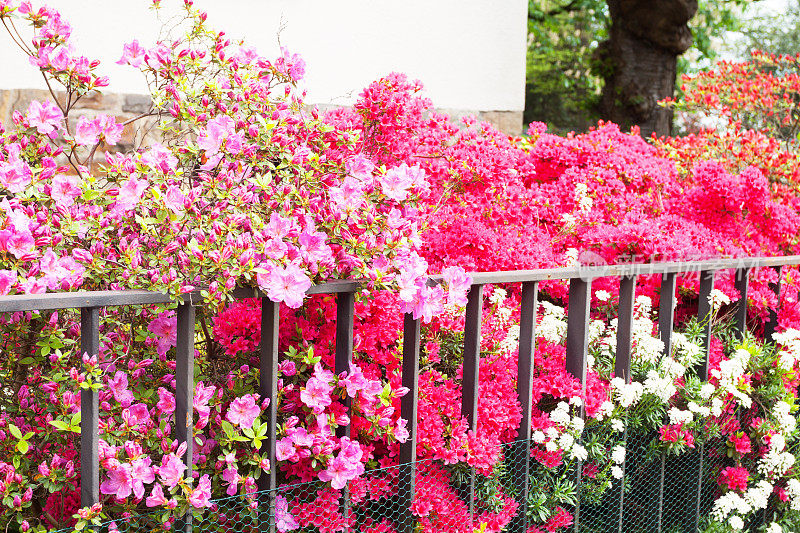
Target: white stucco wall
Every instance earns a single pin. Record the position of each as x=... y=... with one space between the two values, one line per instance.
x=470 y=54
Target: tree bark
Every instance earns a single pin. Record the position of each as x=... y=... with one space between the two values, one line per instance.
x=640 y=58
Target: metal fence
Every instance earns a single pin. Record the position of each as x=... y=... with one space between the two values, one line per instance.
x=677 y=502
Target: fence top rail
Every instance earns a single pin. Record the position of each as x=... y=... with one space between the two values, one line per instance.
x=84 y=299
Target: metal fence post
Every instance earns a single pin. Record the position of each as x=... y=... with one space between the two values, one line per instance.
x=268 y=388
x=345 y=311
x=580 y=297
x=772 y=323
x=666 y=310
x=705 y=317
x=666 y=318
x=90 y=413
x=408 y=411
x=622 y=362
x=184 y=392
x=522 y=454
x=470 y=376
x=742 y=285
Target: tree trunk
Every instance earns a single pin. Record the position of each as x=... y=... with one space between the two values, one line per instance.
x=640 y=58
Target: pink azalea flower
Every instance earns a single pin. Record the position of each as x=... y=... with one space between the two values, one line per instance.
x=339 y=472
x=132 y=54
x=401 y=434
x=65 y=189
x=231 y=475
x=87 y=131
x=119 y=388
x=287 y=284
x=215 y=133
x=21 y=244
x=359 y=167
x=136 y=415
x=243 y=411
x=156 y=498
x=349 y=196
x=15 y=174
x=129 y=194
x=201 y=495
x=174 y=199
x=171 y=470
x=354 y=381
x=166 y=401
x=284 y=449
x=202 y=395
x=396 y=182
x=160 y=158
x=8 y=278
x=120 y=480
x=284 y=521
x=165 y=329
x=316 y=394
x=314 y=248
x=45 y=117
x=112 y=130
x=142 y=473
x=458 y=283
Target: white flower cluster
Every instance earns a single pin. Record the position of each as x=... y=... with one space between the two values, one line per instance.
x=552 y=327
x=790 y=354
x=717 y=299
x=782 y=413
x=602 y=295
x=511 y=342
x=626 y=394
x=774 y=527
x=571 y=429
x=582 y=197
x=730 y=373
x=677 y=416
x=686 y=352
x=776 y=462
x=754 y=498
x=793 y=492
x=663 y=387
x=701 y=410
x=727 y=503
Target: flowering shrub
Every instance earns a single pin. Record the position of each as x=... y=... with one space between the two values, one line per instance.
x=247 y=186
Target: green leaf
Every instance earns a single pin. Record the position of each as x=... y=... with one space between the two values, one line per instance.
x=27 y=361
x=63 y=426
x=23 y=446
x=15 y=431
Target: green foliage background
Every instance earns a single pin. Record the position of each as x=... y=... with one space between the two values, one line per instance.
x=564 y=78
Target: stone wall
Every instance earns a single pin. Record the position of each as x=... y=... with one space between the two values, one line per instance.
x=127 y=106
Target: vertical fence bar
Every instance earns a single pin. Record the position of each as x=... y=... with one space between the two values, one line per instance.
x=772 y=323
x=666 y=317
x=90 y=413
x=268 y=388
x=345 y=311
x=742 y=285
x=704 y=316
x=408 y=411
x=666 y=310
x=627 y=295
x=184 y=392
x=580 y=297
x=521 y=461
x=622 y=362
x=470 y=379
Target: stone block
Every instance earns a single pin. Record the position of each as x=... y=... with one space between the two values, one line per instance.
x=136 y=103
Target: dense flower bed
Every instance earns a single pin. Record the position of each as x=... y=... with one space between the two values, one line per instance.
x=248 y=186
